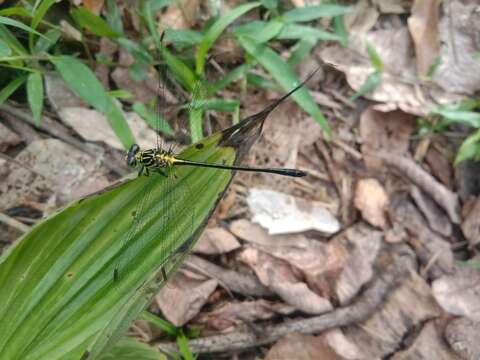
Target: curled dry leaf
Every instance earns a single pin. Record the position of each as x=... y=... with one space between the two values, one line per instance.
x=278 y=276
x=315 y=259
x=281 y=213
x=92 y=125
x=423 y=26
x=371 y=199
x=216 y=241
x=342 y=346
x=301 y=347
x=462 y=336
x=428 y=344
x=358 y=268
x=237 y=313
x=183 y=297
x=459 y=294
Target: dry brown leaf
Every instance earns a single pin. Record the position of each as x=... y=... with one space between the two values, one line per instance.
x=301 y=347
x=216 y=241
x=342 y=346
x=392 y=6
x=459 y=294
x=407 y=307
x=384 y=131
x=278 y=276
x=462 y=336
x=281 y=213
x=237 y=313
x=471 y=223
x=440 y=165
x=183 y=297
x=372 y=200
x=8 y=138
x=423 y=26
x=428 y=344
x=361 y=18
x=53 y=170
x=95 y=6
x=364 y=245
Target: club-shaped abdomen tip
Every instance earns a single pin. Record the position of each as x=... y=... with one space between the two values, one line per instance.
x=300 y=173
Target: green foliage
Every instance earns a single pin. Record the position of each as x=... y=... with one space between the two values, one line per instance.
x=375 y=77
x=35 y=95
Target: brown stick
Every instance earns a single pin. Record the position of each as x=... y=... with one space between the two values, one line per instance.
x=359 y=311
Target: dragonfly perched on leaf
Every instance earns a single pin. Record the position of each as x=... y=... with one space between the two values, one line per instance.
x=159 y=161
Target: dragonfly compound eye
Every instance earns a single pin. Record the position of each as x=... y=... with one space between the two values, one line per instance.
x=131 y=160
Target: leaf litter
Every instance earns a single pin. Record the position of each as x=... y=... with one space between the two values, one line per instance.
x=402 y=196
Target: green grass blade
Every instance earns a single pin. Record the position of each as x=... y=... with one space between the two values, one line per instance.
x=260 y=31
x=369 y=85
x=151 y=118
x=131 y=349
x=93 y=23
x=11 y=87
x=85 y=84
x=283 y=73
x=214 y=32
x=12 y=41
x=295 y=31
x=35 y=95
x=11 y=22
x=4 y=49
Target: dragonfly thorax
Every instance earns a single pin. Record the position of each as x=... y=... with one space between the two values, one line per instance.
x=150 y=158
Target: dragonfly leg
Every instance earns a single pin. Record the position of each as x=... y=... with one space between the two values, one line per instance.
x=140 y=171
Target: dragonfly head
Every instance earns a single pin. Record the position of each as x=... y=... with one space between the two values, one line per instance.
x=131 y=155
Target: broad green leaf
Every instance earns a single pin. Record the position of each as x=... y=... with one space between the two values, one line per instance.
x=93 y=23
x=283 y=73
x=214 y=32
x=369 y=85
x=153 y=119
x=471 y=118
x=11 y=22
x=131 y=349
x=11 y=87
x=4 y=49
x=260 y=31
x=309 y=13
x=84 y=83
x=57 y=289
x=114 y=17
x=35 y=95
x=470 y=148
x=270 y=4
x=295 y=31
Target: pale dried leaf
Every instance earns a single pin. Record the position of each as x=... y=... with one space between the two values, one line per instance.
x=342 y=346
x=216 y=241
x=281 y=213
x=362 y=17
x=459 y=294
x=471 y=223
x=371 y=199
x=462 y=336
x=8 y=138
x=183 y=297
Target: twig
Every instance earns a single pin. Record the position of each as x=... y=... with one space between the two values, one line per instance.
x=359 y=311
x=14 y=223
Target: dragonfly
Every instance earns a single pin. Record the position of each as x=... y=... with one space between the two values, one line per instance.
x=160 y=161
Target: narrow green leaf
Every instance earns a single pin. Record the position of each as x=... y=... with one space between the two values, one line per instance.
x=309 y=13
x=12 y=41
x=4 y=49
x=470 y=148
x=40 y=11
x=183 y=36
x=282 y=73
x=341 y=30
x=230 y=77
x=11 y=87
x=93 y=23
x=270 y=4
x=301 y=50
x=137 y=50
x=114 y=17
x=374 y=57
x=261 y=82
x=215 y=30
x=218 y=104
x=260 y=31
x=180 y=71
x=154 y=120
x=84 y=83
x=369 y=85
x=11 y=22
x=161 y=323
x=15 y=11
x=42 y=46
x=295 y=31
x=35 y=95
x=120 y=94
x=471 y=118
x=182 y=343
x=195 y=118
